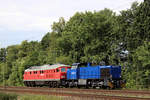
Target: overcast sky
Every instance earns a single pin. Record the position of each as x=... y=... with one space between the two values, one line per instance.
x=31 y=19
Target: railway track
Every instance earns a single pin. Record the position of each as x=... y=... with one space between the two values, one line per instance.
x=83 y=93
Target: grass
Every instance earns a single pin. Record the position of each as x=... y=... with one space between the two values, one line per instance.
x=38 y=97
x=8 y=96
x=12 y=96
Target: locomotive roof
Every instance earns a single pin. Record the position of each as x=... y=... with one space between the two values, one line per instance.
x=45 y=67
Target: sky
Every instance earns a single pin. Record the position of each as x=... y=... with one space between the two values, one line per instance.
x=32 y=19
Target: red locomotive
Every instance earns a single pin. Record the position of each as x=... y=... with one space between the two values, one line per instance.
x=49 y=75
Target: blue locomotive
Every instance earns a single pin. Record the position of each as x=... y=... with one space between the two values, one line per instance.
x=85 y=74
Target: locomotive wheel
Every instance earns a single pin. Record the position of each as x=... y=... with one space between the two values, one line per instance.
x=33 y=84
x=29 y=84
x=94 y=87
x=78 y=86
x=58 y=86
x=86 y=87
x=25 y=83
x=50 y=84
x=70 y=85
x=54 y=84
x=66 y=85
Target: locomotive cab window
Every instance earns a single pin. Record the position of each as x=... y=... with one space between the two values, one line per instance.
x=35 y=72
x=57 y=70
x=41 y=72
x=82 y=65
x=74 y=67
x=63 y=70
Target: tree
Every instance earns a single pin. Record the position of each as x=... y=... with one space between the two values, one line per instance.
x=2 y=55
x=45 y=42
x=133 y=28
x=142 y=63
x=87 y=36
x=58 y=27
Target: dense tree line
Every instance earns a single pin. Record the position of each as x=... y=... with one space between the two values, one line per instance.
x=100 y=37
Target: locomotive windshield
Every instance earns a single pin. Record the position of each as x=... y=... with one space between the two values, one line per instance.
x=63 y=70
